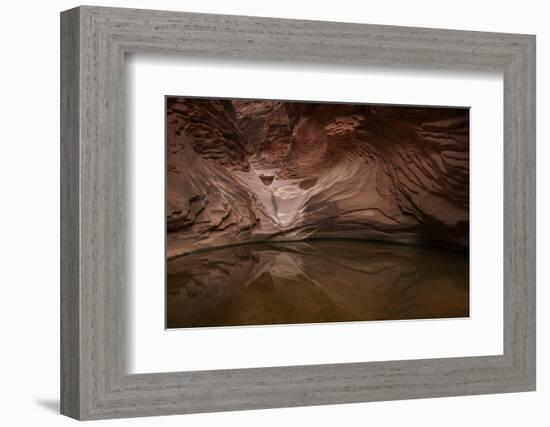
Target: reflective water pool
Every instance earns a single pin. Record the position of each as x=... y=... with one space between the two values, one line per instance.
x=315 y=281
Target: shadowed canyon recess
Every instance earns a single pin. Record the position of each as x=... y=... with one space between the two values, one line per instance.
x=257 y=171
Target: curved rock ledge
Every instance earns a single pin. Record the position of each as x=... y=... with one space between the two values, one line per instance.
x=241 y=171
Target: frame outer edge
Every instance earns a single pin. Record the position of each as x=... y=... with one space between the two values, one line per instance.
x=532 y=225
x=527 y=77
x=520 y=216
x=70 y=396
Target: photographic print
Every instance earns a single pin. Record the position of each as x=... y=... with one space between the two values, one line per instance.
x=293 y=212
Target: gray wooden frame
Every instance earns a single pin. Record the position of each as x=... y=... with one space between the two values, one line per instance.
x=94 y=382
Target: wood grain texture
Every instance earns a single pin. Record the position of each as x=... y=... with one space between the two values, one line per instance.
x=70 y=333
x=95 y=383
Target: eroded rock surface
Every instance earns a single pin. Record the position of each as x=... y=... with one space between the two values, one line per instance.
x=241 y=171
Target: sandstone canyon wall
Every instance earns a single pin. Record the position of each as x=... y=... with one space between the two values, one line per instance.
x=244 y=170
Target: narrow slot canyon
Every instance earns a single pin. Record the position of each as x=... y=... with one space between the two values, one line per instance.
x=259 y=192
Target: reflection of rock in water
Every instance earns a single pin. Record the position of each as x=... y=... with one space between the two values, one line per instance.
x=315 y=281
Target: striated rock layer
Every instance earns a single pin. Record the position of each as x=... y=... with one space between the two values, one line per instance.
x=241 y=171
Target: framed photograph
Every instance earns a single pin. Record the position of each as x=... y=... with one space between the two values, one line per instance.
x=263 y=213
x=288 y=212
